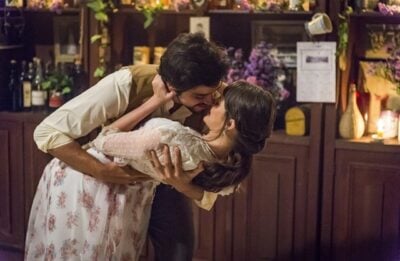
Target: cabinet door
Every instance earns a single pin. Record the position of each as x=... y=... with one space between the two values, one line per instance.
x=203 y=233
x=271 y=215
x=11 y=185
x=366 y=217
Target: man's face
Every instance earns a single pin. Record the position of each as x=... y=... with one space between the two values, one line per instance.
x=198 y=98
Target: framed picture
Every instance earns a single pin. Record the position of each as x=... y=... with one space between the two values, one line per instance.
x=66 y=38
x=201 y=25
x=283 y=35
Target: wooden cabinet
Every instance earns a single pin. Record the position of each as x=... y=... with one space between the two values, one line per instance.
x=365 y=199
x=366 y=203
x=11 y=184
x=22 y=167
x=274 y=214
x=278 y=206
x=360 y=216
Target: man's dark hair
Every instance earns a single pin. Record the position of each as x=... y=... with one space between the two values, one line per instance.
x=190 y=60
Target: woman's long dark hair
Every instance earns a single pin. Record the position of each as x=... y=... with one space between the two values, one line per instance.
x=253 y=110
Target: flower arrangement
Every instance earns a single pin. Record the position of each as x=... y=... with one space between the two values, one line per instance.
x=389 y=70
x=388 y=9
x=393 y=68
x=236 y=70
x=272 y=5
x=180 y=5
x=263 y=68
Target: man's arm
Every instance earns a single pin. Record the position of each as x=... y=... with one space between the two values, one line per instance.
x=57 y=133
x=73 y=155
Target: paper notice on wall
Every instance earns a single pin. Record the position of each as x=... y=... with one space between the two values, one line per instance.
x=316 y=72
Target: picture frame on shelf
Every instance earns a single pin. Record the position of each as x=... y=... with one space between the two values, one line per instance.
x=200 y=24
x=283 y=35
x=66 y=39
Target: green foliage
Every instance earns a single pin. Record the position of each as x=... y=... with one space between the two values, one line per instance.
x=101 y=10
x=58 y=82
x=343 y=37
x=95 y=38
x=100 y=72
x=149 y=12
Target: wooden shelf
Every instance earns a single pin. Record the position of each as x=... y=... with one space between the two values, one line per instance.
x=368 y=144
x=372 y=14
x=131 y=9
x=375 y=17
x=64 y=11
x=8 y=47
x=30 y=116
x=279 y=136
x=292 y=14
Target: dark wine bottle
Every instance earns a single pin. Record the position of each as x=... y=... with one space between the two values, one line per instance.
x=15 y=87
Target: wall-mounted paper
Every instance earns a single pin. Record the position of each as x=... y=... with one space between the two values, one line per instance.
x=316 y=72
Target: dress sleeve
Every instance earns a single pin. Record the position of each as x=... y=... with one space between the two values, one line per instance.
x=209 y=198
x=127 y=145
x=106 y=100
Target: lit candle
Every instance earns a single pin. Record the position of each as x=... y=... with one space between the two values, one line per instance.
x=380 y=127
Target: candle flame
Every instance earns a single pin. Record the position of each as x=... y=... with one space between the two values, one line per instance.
x=380 y=127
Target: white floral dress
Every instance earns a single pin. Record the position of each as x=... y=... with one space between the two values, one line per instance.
x=76 y=217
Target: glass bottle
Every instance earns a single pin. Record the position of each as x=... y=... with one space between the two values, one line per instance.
x=38 y=94
x=79 y=79
x=15 y=87
x=26 y=79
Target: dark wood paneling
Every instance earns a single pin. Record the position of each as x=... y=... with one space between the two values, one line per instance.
x=11 y=185
x=272 y=208
x=270 y=213
x=366 y=207
x=204 y=233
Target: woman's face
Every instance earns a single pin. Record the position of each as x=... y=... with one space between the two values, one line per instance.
x=215 y=119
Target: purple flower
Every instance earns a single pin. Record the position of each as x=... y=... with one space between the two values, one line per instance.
x=388 y=9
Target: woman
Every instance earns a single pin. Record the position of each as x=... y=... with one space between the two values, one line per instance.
x=75 y=217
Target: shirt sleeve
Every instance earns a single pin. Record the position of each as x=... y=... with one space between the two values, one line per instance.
x=106 y=100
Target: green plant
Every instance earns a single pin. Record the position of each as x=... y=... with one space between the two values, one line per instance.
x=58 y=82
x=149 y=12
x=101 y=10
x=343 y=37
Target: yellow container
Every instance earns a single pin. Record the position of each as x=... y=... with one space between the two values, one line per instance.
x=297 y=120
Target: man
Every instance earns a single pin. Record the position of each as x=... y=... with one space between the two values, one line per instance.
x=193 y=68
